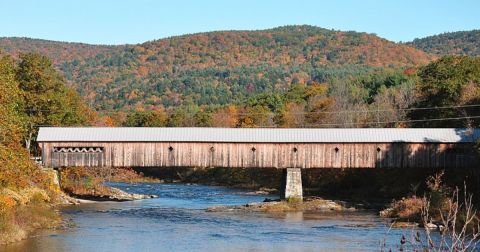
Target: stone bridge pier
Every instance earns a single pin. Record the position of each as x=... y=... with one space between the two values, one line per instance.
x=292 y=184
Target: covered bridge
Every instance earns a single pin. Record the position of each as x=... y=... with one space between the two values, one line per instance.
x=258 y=147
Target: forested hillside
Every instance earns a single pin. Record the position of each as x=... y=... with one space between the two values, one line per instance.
x=293 y=76
x=216 y=68
x=451 y=43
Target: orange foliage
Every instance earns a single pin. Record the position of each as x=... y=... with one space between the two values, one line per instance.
x=225 y=117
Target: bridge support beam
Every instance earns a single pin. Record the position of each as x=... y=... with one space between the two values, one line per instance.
x=292 y=188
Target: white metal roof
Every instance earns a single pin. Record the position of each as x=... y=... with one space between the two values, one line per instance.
x=257 y=135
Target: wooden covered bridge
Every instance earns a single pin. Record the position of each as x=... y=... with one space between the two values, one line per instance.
x=258 y=147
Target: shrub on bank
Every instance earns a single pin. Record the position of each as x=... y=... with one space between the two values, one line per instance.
x=405 y=209
x=437 y=197
x=82 y=181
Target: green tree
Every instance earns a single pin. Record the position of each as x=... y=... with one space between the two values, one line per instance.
x=449 y=81
x=177 y=118
x=203 y=119
x=11 y=104
x=442 y=81
x=15 y=166
x=155 y=118
x=47 y=100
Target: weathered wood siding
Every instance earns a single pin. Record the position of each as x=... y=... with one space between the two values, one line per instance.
x=268 y=155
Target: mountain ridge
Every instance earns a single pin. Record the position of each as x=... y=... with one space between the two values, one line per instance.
x=450 y=43
x=232 y=64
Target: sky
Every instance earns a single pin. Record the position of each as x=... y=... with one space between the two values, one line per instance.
x=137 y=21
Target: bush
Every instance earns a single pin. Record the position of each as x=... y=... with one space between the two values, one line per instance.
x=82 y=181
x=410 y=208
x=406 y=209
x=7 y=203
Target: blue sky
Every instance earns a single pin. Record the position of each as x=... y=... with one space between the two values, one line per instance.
x=119 y=22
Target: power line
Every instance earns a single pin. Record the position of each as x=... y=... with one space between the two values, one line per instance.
x=312 y=112
x=396 y=121
x=352 y=123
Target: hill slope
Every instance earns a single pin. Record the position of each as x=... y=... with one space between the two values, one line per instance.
x=452 y=43
x=58 y=51
x=215 y=68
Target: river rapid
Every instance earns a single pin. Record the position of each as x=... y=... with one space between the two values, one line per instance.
x=178 y=221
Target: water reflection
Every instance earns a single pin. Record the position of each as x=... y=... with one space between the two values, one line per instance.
x=177 y=221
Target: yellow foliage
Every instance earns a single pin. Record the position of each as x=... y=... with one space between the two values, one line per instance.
x=6 y=202
x=34 y=195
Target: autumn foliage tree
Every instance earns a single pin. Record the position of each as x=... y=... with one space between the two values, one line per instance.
x=257 y=116
x=15 y=166
x=47 y=101
x=292 y=115
x=225 y=117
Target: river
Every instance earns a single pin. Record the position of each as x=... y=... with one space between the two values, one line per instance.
x=177 y=221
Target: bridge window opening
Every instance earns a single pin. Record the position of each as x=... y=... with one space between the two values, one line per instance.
x=295 y=149
x=212 y=149
x=253 y=149
x=170 y=148
x=336 y=149
x=378 y=149
x=77 y=149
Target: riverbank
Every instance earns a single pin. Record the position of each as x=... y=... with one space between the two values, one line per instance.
x=23 y=211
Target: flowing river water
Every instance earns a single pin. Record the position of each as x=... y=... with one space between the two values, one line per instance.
x=178 y=221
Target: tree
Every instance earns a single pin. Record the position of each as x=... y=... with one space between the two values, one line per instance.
x=391 y=104
x=183 y=116
x=15 y=167
x=442 y=81
x=225 y=117
x=203 y=119
x=257 y=116
x=317 y=104
x=449 y=81
x=11 y=104
x=47 y=100
x=292 y=115
x=154 y=118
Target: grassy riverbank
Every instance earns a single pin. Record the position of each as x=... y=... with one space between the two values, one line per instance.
x=18 y=220
x=28 y=207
